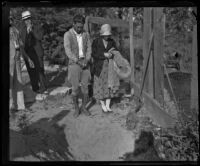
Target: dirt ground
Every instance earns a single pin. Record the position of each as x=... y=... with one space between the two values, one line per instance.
x=49 y=132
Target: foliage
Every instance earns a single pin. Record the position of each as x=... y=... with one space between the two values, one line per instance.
x=182 y=142
x=56 y=21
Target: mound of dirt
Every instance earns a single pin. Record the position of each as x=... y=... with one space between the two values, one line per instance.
x=51 y=133
x=98 y=138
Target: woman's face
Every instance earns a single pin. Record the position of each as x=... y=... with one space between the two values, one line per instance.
x=106 y=37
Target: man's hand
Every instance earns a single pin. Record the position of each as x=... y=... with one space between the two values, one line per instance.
x=82 y=63
x=31 y=63
x=28 y=59
x=29 y=27
x=107 y=54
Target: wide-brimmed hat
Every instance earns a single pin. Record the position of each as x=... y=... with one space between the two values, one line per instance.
x=105 y=30
x=26 y=14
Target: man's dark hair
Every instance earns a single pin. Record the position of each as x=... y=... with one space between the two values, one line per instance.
x=79 y=18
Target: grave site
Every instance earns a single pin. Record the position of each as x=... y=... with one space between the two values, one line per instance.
x=155 y=117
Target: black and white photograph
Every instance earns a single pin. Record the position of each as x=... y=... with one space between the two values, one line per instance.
x=95 y=83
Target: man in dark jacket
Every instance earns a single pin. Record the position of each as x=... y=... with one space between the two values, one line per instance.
x=31 y=37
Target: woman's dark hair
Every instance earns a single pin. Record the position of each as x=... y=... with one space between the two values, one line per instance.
x=79 y=18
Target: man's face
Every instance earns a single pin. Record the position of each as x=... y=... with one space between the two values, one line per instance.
x=27 y=22
x=106 y=38
x=78 y=27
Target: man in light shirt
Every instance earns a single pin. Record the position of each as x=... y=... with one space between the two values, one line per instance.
x=78 y=49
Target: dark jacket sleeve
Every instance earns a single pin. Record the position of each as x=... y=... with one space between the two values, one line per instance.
x=38 y=32
x=113 y=45
x=96 y=52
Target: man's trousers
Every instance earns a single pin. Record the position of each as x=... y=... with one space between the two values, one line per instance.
x=36 y=74
x=78 y=77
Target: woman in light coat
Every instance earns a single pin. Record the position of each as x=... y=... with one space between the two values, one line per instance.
x=16 y=84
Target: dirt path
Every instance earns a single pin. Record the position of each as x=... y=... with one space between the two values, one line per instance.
x=52 y=133
x=100 y=137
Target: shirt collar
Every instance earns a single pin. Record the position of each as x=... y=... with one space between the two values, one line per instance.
x=77 y=33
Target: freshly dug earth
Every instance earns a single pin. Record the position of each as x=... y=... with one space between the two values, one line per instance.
x=49 y=132
x=99 y=137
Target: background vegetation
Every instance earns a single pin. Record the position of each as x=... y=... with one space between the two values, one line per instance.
x=183 y=144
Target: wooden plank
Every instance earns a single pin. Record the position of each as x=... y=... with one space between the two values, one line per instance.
x=151 y=71
x=86 y=26
x=158 y=54
x=131 y=43
x=148 y=86
x=194 y=81
x=154 y=110
x=146 y=64
x=112 y=22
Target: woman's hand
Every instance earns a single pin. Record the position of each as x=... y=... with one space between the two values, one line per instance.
x=107 y=54
x=31 y=63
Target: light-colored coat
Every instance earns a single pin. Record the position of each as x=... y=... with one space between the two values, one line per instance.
x=71 y=46
x=14 y=57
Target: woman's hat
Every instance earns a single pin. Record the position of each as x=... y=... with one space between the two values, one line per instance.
x=25 y=15
x=105 y=30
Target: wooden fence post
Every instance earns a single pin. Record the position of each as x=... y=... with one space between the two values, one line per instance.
x=158 y=54
x=131 y=43
x=194 y=81
x=86 y=26
x=148 y=86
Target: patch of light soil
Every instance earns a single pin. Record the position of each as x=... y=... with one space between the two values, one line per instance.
x=99 y=137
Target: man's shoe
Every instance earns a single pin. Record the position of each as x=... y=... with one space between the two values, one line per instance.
x=85 y=111
x=76 y=113
x=83 y=107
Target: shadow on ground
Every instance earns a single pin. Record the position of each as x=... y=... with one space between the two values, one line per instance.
x=43 y=140
x=54 y=80
x=58 y=78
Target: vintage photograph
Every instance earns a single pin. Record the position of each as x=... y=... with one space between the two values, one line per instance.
x=103 y=84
